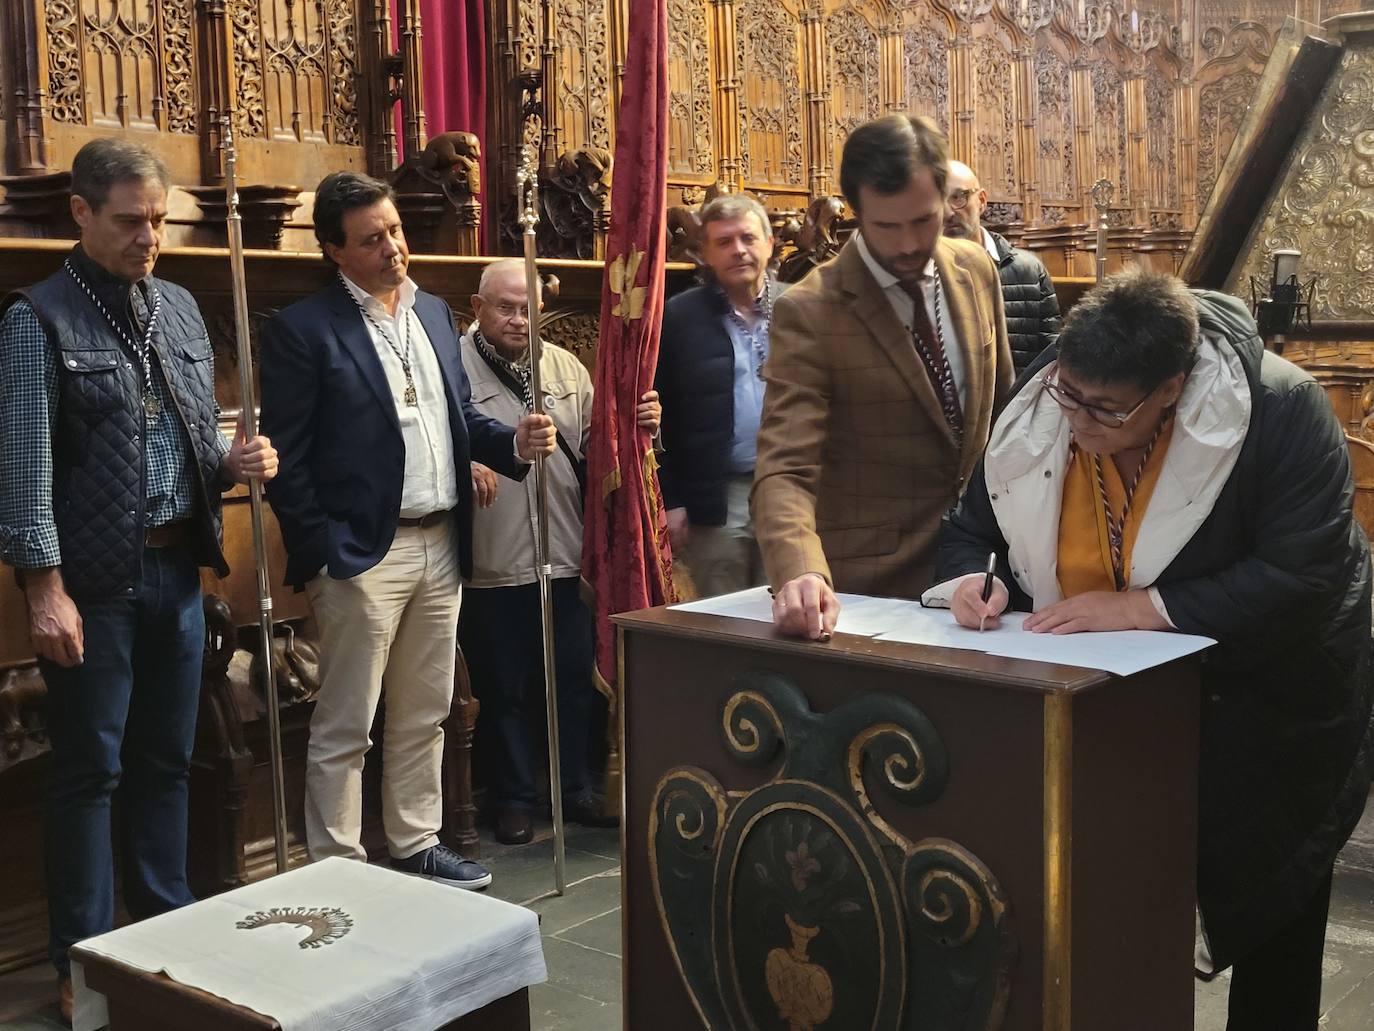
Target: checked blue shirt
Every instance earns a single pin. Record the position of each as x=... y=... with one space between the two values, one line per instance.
x=28 y=417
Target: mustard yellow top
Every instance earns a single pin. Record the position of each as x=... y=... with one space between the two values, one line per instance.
x=1085 y=551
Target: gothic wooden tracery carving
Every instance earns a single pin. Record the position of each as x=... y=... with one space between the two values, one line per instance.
x=1109 y=123
x=121 y=64
x=584 y=87
x=1054 y=125
x=64 y=61
x=855 y=89
x=771 y=116
x=995 y=117
x=250 y=109
x=925 y=62
x=1162 y=193
x=690 y=151
x=1222 y=108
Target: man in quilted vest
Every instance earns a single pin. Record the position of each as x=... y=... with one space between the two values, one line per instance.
x=1028 y=296
x=111 y=469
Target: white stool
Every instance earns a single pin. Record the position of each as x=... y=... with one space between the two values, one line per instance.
x=334 y=946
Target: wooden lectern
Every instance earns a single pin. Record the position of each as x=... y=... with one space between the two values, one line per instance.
x=872 y=835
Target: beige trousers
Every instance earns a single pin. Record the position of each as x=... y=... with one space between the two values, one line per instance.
x=724 y=559
x=394 y=625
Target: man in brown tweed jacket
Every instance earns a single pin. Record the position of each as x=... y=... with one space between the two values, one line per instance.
x=886 y=367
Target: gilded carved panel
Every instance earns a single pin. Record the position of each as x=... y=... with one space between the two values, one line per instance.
x=925 y=63
x=690 y=150
x=854 y=70
x=771 y=114
x=1054 y=130
x=1325 y=206
x=584 y=78
x=120 y=64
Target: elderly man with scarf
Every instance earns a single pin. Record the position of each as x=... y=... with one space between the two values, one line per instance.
x=499 y=628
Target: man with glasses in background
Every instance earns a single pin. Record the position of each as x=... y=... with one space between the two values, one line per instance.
x=1028 y=296
x=500 y=624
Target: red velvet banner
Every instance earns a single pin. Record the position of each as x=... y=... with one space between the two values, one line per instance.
x=625 y=553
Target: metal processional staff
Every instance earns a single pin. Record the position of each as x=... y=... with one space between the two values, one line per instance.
x=234 y=223
x=527 y=180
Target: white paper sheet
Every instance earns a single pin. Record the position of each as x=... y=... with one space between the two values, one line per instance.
x=859 y=615
x=416 y=956
x=1123 y=652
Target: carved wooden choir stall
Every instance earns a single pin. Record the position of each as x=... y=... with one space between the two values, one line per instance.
x=1043 y=97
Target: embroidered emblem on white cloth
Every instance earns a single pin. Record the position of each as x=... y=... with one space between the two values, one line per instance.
x=326 y=925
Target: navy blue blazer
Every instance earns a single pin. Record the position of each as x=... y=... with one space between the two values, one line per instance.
x=330 y=414
x=696 y=384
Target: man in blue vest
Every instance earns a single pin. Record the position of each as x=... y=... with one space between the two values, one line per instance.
x=111 y=469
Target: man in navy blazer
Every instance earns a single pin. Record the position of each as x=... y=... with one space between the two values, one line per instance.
x=369 y=406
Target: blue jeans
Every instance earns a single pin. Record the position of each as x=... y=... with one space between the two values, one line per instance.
x=499 y=629
x=126 y=717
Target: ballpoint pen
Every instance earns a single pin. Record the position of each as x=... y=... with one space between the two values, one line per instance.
x=987 y=587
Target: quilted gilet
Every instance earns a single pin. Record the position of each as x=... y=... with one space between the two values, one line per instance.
x=99 y=435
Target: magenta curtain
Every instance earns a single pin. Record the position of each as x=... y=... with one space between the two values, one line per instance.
x=455 y=55
x=454 y=49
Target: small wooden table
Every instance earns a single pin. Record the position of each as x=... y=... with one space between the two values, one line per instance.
x=142 y=1001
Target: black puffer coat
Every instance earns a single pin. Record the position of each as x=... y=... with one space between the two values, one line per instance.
x=1029 y=300
x=1279 y=575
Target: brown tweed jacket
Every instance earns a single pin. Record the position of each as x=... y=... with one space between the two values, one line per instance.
x=856 y=464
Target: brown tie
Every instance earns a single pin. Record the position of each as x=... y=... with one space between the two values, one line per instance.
x=931 y=349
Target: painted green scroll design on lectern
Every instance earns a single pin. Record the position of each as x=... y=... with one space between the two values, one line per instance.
x=795 y=906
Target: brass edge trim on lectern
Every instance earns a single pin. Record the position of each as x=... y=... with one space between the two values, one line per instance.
x=1058 y=784
x=624 y=829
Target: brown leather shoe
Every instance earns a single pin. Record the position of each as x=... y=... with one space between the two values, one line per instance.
x=64 y=999
x=514 y=826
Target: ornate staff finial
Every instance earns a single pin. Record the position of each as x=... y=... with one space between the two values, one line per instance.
x=230 y=165
x=527 y=187
x=1102 y=193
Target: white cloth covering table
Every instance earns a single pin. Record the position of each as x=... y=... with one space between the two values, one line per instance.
x=351 y=947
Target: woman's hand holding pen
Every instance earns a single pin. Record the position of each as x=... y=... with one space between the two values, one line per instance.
x=969 y=608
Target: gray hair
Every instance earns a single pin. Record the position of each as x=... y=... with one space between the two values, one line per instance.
x=730 y=206
x=103 y=162
x=1135 y=327
x=499 y=266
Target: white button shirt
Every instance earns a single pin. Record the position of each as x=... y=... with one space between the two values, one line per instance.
x=904 y=306
x=431 y=483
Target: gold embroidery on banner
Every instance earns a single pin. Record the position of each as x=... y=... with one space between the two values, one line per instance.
x=629 y=305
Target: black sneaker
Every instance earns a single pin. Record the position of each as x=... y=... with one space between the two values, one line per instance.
x=440 y=863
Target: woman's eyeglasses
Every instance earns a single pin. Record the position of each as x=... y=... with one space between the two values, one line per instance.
x=1102 y=416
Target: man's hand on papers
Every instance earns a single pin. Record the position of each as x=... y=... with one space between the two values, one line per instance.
x=971 y=611
x=806 y=607
x=1098 y=610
